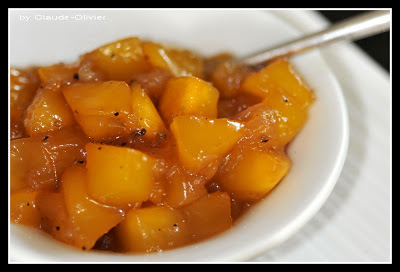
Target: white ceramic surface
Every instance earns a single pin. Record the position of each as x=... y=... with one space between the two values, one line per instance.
x=318 y=153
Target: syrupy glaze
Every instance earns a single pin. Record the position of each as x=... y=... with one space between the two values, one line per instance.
x=206 y=138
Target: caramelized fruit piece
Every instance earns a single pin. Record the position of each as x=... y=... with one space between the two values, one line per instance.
x=66 y=73
x=99 y=98
x=255 y=174
x=145 y=113
x=118 y=60
x=48 y=110
x=188 y=96
x=23 y=208
x=100 y=108
x=37 y=162
x=89 y=219
x=290 y=117
x=118 y=175
x=54 y=217
x=179 y=62
x=279 y=76
x=183 y=188
x=209 y=215
x=23 y=86
x=201 y=140
x=153 y=229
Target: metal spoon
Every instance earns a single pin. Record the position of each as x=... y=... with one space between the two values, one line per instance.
x=354 y=28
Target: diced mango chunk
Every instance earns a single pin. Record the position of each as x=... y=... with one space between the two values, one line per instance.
x=290 y=117
x=179 y=62
x=208 y=215
x=38 y=161
x=23 y=86
x=30 y=166
x=118 y=175
x=90 y=220
x=153 y=229
x=201 y=140
x=48 y=111
x=100 y=108
x=23 y=208
x=102 y=128
x=182 y=189
x=99 y=98
x=145 y=113
x=279 y=76
x=256 y=173
x=54 y=217
x=188 y=96
x=119 y=60
x=59 y=72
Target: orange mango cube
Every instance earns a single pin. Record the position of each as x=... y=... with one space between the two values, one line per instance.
x=59 y=72
x=256 y=173
x=201 y=140
x=100 y=108
x=99 y=98
x=23 y=208
x=153 y=229
x=145 y=113
x=119 y=60
x=182 y=189
x=290 y=117
x=48 y=111
x=209 y=215
x=179 y=62
x=90 y=220
x=37 y=162
x=188 y=96
x=23 y=86
x=118 y=176
x=54 y=218
x=279 y=76
x=30 y=165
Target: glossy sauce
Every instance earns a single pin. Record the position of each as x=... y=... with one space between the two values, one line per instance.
x=204 y=153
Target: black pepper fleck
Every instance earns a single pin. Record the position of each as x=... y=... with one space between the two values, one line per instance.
x=76 y=75
x=45 y=138
x=57 y=228
x=265 y=139
x=140 y=132
x=116 y=114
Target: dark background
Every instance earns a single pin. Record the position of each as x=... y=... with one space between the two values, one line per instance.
x=378 y=46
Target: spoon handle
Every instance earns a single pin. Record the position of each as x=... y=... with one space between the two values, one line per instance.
x=354 y=28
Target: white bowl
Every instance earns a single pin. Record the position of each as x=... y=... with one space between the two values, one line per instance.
x=318 y=152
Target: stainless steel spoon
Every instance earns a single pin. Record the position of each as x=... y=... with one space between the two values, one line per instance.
x=358 y=27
